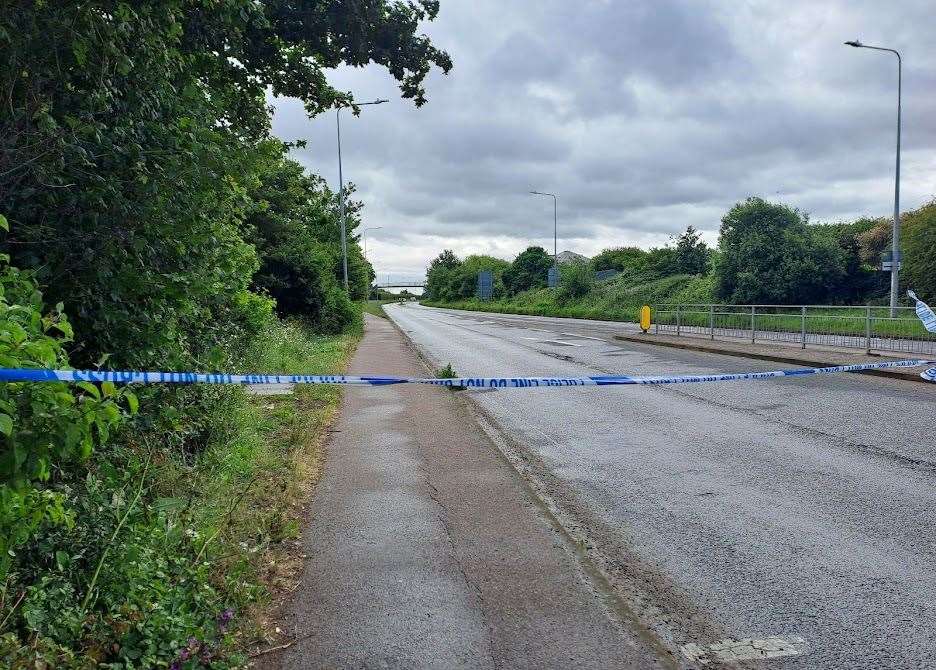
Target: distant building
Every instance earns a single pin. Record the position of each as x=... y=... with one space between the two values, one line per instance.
x=572 y=257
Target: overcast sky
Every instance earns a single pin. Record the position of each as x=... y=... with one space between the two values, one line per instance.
x=643 y=116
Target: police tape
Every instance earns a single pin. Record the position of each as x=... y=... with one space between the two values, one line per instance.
x=127 y=377
x=923 y=311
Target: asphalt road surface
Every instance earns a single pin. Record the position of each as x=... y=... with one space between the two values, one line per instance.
x=793 y=516
x=427 y=549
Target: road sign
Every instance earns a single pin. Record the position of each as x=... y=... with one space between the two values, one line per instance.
x=553 y=277
x=485 y=285
x=887 y=261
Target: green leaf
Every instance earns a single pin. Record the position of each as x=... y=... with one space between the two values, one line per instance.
x=90 y=388
x=6 y=424
x=132 y=402
x=4 y=223
x=108 y=388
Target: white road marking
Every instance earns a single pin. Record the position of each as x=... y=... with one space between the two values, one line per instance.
x=584 y=337
x=745 y=649
x=561 y=343
x=539 y=330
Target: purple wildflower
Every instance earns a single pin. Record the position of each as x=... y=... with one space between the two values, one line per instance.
x=224 y=619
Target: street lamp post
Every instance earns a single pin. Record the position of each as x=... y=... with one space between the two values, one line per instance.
x=895 y=256
x=555 y=226
x=364 y=237
x=344 y=233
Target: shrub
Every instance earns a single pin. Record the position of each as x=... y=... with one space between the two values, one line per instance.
x=529 y=270
x=920 y=251
x=48 y=427
x=575 y=281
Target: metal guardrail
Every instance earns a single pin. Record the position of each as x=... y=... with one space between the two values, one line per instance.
x=870 y=328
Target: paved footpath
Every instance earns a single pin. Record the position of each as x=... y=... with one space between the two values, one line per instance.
x=426 y=549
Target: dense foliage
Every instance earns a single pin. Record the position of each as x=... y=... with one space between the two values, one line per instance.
x=919 y=246
x=530 y=269
x=44 y=426
x=767 y=253
x=146 y=200
x=575 y=281
x=620 y=259
x=296 y=226
x=450 y=278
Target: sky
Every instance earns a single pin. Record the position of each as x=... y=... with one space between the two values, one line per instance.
x=643 y=116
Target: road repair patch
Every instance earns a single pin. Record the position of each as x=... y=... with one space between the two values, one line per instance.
x=745 y=649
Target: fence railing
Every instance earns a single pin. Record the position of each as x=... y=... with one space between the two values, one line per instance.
x=871 y=328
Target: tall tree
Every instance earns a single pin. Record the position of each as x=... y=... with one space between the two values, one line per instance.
x=441 y=277
x=769 y=255
x=128 y=146
x=920 y=251
x=692 y=254
x=530 y=269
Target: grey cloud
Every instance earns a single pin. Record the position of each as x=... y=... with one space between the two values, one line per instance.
x=644 y=117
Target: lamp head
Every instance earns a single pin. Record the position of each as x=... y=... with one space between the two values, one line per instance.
x=854 y=43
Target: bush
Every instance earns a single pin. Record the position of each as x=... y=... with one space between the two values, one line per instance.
x=440 y=277
x=575 y=281
x=920 y=251
x=449 y=278
x=622 y=259
x=768 y=254
x=46 y=428
x=529 y=270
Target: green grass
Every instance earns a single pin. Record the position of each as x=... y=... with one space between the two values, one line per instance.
x=620 y=300
x=375 y=307
x=615 y=300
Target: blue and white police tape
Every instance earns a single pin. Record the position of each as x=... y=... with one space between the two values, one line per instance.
x=926 y=315
x=924 y=312
x=36 y=375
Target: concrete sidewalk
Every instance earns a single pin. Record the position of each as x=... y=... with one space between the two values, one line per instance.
x=426 y=549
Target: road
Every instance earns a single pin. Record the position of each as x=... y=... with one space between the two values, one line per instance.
x=802 y=508
x=426 y=549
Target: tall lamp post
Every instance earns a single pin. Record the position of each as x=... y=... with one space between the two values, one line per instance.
x=555 y=226
x=364 y=237
x=895 y=256
x=344 y=234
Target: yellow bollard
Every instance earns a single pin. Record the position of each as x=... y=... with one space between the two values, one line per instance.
x=645 y=318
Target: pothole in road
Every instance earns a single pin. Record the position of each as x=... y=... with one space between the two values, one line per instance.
x=561 y=357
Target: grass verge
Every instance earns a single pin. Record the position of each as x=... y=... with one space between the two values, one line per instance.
x=619 y=299
x=375 y=307
x=175 y=553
